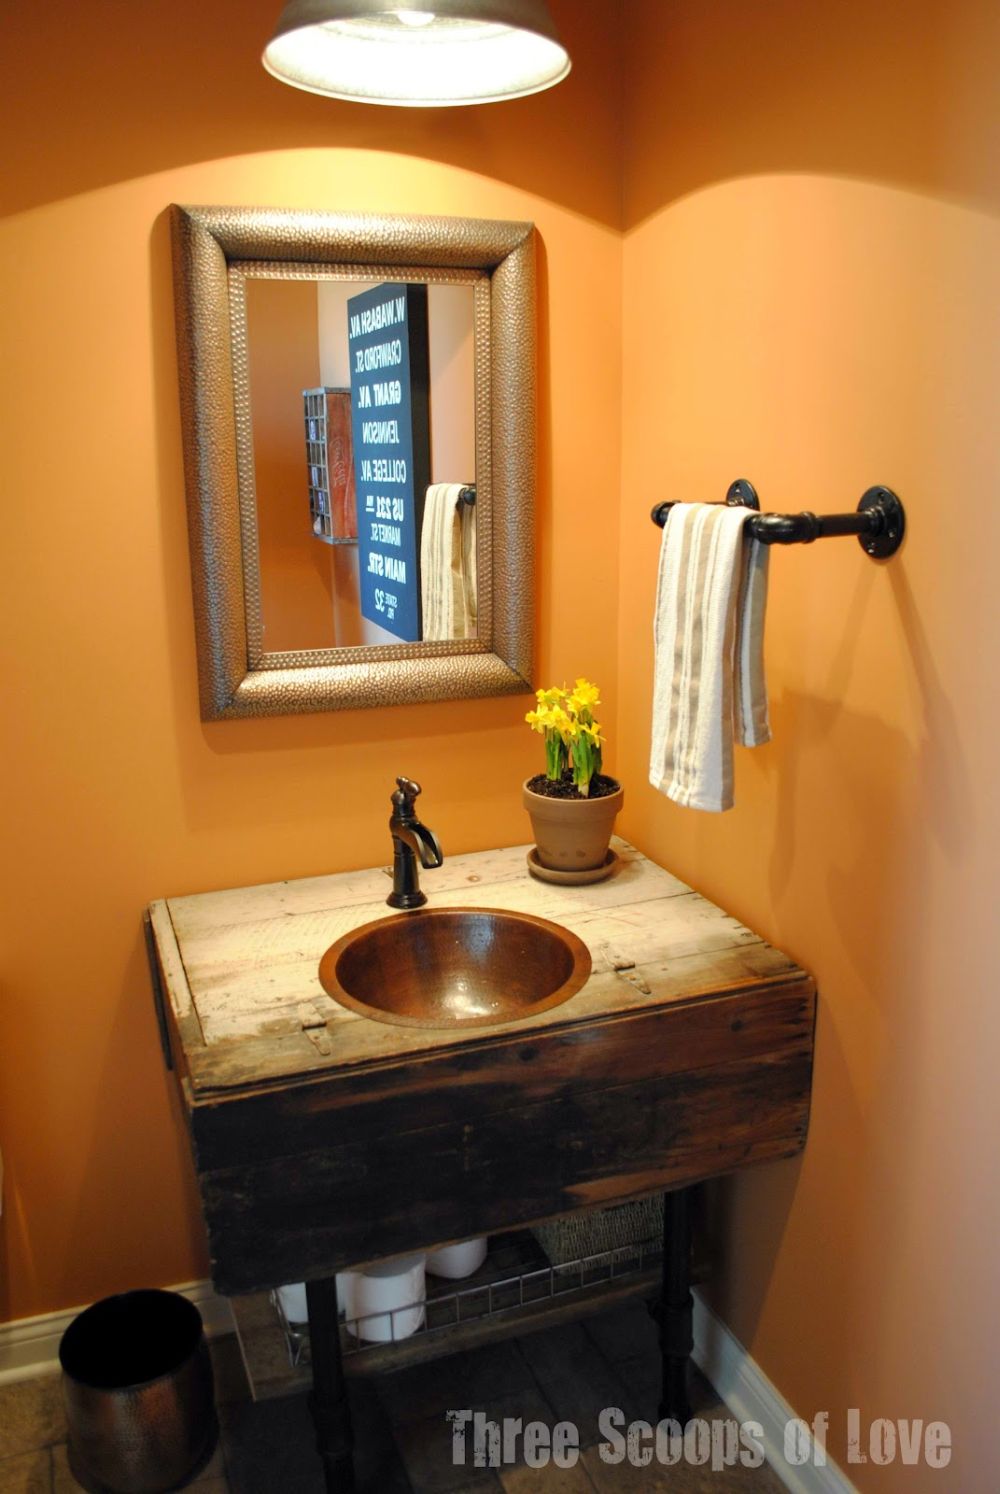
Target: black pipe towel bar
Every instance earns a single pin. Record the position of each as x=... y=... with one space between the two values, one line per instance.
x=879 y=522
x=468 y=494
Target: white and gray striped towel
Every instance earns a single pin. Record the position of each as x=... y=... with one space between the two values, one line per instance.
x=709 y=670
x=448 y=564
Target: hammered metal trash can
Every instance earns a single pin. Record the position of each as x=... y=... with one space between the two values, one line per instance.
x=137 y=1383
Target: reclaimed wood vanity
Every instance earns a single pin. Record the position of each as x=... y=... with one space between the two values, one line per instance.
x=324 y=1140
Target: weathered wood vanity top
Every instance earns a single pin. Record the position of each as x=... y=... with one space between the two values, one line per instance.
x=323 y=1139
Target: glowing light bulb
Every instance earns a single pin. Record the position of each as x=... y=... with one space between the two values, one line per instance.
x=416 y=17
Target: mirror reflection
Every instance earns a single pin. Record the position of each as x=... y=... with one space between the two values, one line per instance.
x=362 y=401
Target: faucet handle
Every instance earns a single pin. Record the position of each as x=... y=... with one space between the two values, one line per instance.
x=403 y=797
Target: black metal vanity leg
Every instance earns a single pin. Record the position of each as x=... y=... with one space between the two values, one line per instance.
x=328 y=1401
x=676 y=1306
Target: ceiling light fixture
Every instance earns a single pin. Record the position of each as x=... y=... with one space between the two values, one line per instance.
x=390 y=52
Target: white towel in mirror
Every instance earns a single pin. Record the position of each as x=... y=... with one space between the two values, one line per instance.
x=448 y=564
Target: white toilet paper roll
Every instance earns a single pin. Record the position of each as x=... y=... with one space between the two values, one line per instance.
x=456 y=1261
x=387 y=1300
x=293 y=1303
x=293 y=1299
x=345 y=1292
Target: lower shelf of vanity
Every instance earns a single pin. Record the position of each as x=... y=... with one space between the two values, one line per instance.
x=516 y=1290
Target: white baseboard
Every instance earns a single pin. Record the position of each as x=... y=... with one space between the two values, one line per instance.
x=30 y=1346
x=750 y=1396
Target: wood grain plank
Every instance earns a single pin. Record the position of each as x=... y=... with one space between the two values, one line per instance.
x=486 y=1077
x=184 y=1030
x=269 y=1222
x=211 y=913
x=171 y=965
x=280 y=1052
x=237 y=963
x=239 y=997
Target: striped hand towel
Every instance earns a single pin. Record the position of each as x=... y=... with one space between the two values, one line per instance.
x=709 y=670
x=448 y=564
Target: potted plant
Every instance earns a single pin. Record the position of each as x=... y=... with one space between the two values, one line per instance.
x=572 y=804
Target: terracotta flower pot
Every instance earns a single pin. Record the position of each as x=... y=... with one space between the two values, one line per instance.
x=572 y=834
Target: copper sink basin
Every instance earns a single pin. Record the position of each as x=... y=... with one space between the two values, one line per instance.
x=455 y=967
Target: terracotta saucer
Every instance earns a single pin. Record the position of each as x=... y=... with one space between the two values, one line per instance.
x=571 y=878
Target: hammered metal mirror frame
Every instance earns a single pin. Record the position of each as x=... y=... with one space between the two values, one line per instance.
x=214 y=249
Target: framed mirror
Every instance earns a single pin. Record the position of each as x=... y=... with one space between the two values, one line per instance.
x=358 y=413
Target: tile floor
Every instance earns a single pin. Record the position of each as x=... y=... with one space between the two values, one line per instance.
x=404 y=1443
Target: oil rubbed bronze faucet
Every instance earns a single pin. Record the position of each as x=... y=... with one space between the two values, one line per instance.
x=410 y=839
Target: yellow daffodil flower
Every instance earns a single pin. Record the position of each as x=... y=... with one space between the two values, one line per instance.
x=585 y=695
x=572 y=737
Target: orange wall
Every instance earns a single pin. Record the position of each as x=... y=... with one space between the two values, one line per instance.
x=117 y=793
x=812 y=288
x=296 y=570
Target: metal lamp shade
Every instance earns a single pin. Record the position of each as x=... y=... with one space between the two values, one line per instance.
x=421 y=53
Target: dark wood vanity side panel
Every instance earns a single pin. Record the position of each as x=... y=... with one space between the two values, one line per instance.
x=376 y=1192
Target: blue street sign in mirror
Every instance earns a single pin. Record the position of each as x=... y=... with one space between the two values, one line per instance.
x=390 y=423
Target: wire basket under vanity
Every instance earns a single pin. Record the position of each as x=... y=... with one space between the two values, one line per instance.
x=516 y=1287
